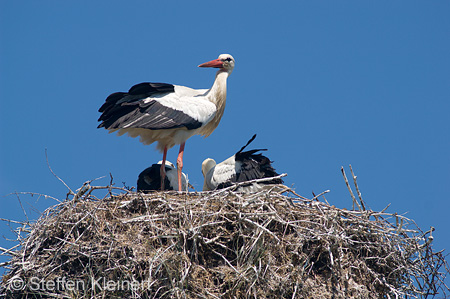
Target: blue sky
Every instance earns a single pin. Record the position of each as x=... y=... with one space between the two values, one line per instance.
x=324 y=84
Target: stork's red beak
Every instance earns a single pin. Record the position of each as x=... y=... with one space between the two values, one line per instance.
x=213 y=63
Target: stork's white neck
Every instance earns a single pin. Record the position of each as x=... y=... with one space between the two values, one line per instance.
x=218 y=92
x=217 y=95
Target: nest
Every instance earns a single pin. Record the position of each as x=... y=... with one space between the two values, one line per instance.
x=221 y=244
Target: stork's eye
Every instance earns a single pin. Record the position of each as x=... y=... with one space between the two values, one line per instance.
x=227 y=59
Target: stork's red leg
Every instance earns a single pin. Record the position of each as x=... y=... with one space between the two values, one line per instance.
x=162 y=171
x=180 y=164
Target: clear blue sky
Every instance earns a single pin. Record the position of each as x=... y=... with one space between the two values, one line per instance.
x=324 y=84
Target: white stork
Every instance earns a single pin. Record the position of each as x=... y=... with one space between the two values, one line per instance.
x=241 y=167
x=150 y=178
x=168 y=114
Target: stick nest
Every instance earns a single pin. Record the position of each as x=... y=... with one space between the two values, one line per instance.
x=221 y=244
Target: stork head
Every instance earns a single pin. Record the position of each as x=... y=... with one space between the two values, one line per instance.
x=207 y=165
x=224 y=62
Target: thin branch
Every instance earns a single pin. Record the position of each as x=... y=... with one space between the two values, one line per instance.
x=357 y=189
x=319 y=195
x=350 y=190
x=48 y=164
x=24 y=212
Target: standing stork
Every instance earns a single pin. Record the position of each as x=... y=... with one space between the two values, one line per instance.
x=168 y=114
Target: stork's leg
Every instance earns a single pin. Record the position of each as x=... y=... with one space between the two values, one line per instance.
x=162 y=171
x=180 y=164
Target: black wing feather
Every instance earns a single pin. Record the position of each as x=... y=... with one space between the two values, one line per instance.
x=136 y=92
x=150 y=88
x=255 y=165
x=248 y=142
x=122 y=109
